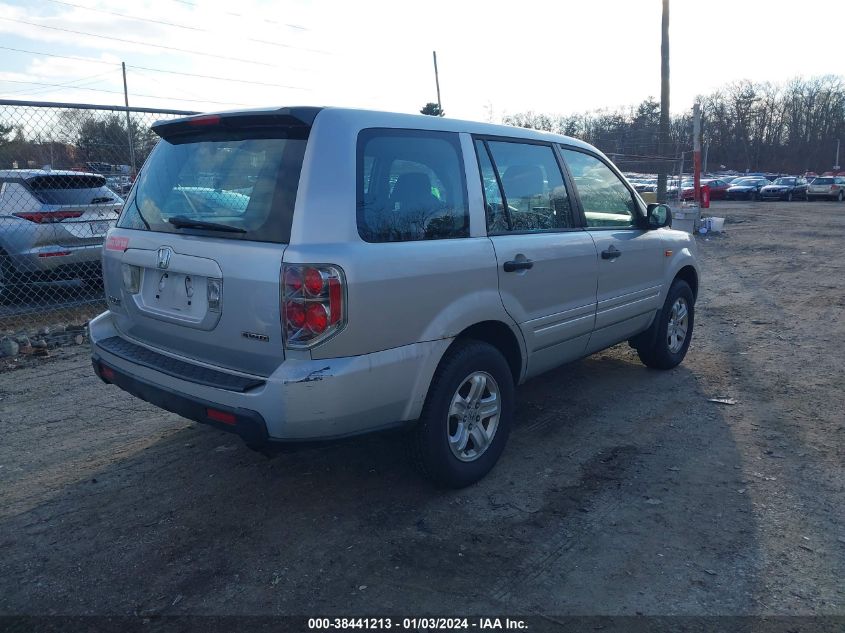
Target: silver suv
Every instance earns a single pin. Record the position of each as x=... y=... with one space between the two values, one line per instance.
x=304 y=274
x=52 y=226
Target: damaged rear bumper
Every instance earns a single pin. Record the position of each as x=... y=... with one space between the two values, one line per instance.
x=302 y=400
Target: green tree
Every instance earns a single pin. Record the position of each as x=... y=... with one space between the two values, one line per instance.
x=5 y=134
x=432 y=109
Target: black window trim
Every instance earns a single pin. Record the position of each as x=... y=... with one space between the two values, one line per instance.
x=453 y=138
x=639 y=224
x=577 y=214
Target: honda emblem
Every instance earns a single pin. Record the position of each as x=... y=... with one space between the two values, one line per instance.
x=164 y=254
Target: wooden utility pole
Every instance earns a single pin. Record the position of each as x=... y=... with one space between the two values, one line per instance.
x=128 y=121
x=437 y=81
x=663 y=131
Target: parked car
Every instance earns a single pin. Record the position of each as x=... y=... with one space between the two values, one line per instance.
x=746 y=188
x=387 y=271
x=119 y=184
x=717 y=187
x=785 y=188
x=827 y=188
x=52 y=226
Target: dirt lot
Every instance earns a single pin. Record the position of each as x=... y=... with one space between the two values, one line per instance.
x=622 y=491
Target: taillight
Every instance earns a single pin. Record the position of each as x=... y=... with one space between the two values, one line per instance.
x=47 y=217
x=313 y=304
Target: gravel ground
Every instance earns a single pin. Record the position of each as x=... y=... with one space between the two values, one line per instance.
x=622 y=491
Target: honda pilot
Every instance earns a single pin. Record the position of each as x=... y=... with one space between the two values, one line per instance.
x=308 y=274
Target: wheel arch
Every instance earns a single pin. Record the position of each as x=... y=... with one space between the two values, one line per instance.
x=503 y=338
x=689 y=275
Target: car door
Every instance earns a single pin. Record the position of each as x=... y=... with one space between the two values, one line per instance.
x=547 y=263
x=631 y=259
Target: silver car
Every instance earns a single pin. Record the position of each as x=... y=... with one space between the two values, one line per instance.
x=304 y=274
x=52 y=226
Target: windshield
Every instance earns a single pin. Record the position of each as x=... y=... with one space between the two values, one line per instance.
x=247 y=185
x=785 y=181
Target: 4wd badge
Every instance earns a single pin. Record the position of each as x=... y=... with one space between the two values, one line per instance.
x=164 y=255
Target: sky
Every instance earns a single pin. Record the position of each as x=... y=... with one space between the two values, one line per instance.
x=495 y=58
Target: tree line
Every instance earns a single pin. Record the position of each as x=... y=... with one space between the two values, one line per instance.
x=790 y=127
x=68 y=139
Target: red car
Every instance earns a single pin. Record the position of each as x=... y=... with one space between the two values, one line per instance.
x=717 y=187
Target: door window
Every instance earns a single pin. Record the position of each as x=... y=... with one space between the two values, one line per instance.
x=410 y=186
x=606 y=200
x=535 y=196
x=494 y=206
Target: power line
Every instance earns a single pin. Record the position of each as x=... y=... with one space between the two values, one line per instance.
x=183 y=26
x=29 y=91
x=244 y=81
x=156 y=70
x=119 y=92
x=126 y=41
x=241 y=15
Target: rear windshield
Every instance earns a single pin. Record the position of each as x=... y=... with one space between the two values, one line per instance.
x=785 y=181
x=71 y=189
x=823 y=181
x=237 y=188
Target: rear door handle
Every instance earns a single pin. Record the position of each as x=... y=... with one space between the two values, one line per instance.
x=513 y=266
x=611 y=253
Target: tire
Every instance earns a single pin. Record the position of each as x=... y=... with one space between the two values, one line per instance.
x=840 y=197
x=752 y=196
x=655 y=350
x=789 y=197
x=474 y=371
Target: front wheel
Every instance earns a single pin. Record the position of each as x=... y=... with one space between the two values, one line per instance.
x=467 y=416
x=840 y=197
x=669 y=341
x=789 y=197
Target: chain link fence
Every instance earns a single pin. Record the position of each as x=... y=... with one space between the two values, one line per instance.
x=64 y=171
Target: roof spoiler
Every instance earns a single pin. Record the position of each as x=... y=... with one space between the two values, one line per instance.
x=301 y=118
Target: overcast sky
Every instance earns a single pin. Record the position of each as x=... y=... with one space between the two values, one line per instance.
x=559 y=56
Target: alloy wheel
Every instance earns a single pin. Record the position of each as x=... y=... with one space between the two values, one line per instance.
x=473 y=416
x=676 y=332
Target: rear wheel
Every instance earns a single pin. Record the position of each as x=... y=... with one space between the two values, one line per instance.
x=467 y=416
x=841 y=196
x=789 y=197
x=667 y=344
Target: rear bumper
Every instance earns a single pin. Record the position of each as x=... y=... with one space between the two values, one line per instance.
x=248 y=424
x=302 y=400
x=822 y=196
x=55 y=259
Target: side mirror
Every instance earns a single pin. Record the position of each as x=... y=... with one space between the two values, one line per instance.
x=659 y=216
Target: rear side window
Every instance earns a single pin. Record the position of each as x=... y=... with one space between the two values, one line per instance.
x=71 y=189
x=411 y=186
x=237 y=187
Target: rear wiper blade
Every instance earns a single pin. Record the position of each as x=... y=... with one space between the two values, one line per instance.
x=181 y=222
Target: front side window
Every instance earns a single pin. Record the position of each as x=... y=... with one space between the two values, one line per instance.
x=535 y=194
x=411 y=186
x=606 y=200
x=494 y=205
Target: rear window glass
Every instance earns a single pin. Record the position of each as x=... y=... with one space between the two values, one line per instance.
x=411 y=186
x=71 y=189
x=240 y=188
x=823 y=181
